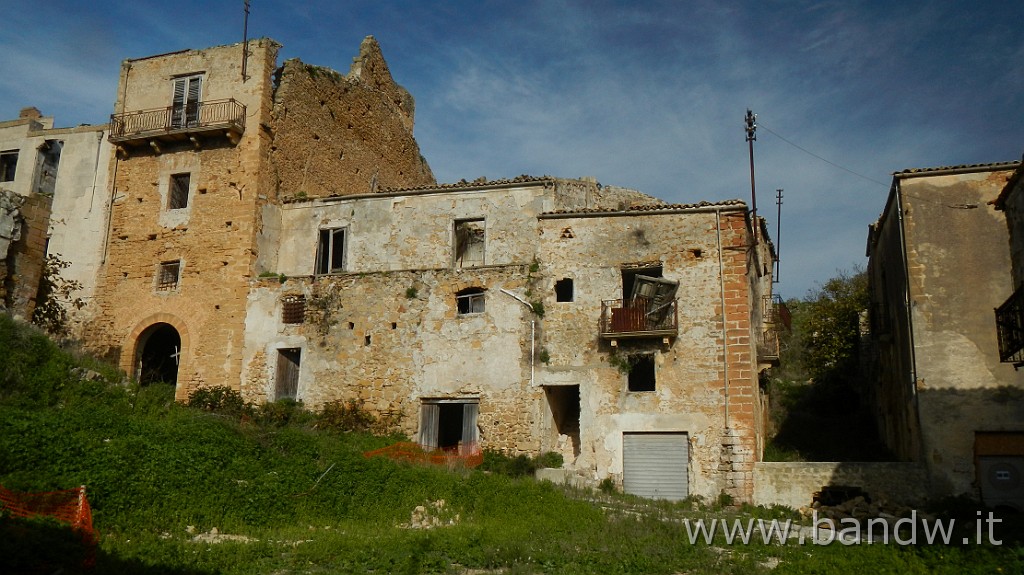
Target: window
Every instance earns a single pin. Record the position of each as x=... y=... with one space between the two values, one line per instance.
x=563 y=290
x=470 y=300
x=8 y=165
x=449 y=424
x=469 y=243
x=293 y=309
x=46 y=167
x=177 y=192
x=167 y=275
x=330 y=253
x=287 y=381
x=185 y=101
x=641 y=372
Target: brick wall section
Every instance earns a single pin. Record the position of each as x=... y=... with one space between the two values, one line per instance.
x=739 y=439
x=340 y=135
x=27 y=255
x=793 y=484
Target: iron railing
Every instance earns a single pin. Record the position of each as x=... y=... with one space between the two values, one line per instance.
x=1010 y=328
x=200 y=117
x=768 y=345
x=635 y=318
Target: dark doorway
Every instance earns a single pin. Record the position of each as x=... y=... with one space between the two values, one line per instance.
x=564 y=402
x=160 y=355
x=449 y=425
x=642 y=372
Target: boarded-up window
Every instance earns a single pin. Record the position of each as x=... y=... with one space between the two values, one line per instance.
x=469 y=243
x=293 y=309
x=185 y=101
x=167 y=275
x=449 y=424
x=287 y=381
x=177 y=193
x=330 y=253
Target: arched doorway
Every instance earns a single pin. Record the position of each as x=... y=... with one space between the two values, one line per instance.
x=158 y=355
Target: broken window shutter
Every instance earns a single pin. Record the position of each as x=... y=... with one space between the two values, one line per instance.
x=178 y=102
x=429 y=415
x=469 y=428
x=192 y=105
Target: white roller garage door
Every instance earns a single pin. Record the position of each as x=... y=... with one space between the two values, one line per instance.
x=655 y=465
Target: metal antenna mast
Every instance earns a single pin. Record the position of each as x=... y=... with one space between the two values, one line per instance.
x=245 y=39
x=778 y=235
x=751 y=136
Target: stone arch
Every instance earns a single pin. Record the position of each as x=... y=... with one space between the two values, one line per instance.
x=152 y=355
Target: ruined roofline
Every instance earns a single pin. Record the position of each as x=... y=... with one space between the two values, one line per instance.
x=461 y=186
x=262 y=39
x=82 y=128
x=653 y=209
x=958 y=169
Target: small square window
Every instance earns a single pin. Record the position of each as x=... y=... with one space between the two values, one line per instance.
x=563 y=290
x=8 y=165
x=330 y=253
x=470 y=300
x=293 y=309
x=168 y=275
x=641 y=372
x=177 y=192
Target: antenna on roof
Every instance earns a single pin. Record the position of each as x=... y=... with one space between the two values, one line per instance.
x=245 y=39
x=751 y=136
x=778 y=235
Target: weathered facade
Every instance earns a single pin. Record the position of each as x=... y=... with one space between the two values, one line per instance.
x=525 y=342
x=939 y=264
x=276 y=230
x=32 y=153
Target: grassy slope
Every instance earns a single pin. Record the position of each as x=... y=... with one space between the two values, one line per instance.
x=314 y=504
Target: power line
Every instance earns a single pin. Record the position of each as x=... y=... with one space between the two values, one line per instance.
x=810 y=153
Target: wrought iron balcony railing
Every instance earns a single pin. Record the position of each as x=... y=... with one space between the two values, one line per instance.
x=637 y=319
x=178 y=121
x=768 y=346
x=1010 y=328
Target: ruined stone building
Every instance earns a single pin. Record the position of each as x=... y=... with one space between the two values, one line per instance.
x=939 y=263
x=275 y=229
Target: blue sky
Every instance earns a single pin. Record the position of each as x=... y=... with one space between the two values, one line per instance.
x=646 y=95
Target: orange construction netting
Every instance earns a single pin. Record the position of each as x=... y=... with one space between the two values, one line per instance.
x=468 y=455
x=70 y=506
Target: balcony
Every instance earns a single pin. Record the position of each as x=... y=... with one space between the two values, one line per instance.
x=1010 y=329
x=768 y=347
x=636 y=318
x=175 y=123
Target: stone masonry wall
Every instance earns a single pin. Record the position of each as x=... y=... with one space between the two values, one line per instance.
x=793 y=484
x=340 y=134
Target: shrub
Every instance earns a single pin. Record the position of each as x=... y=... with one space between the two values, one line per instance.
x=219 y=399
x=344 y=415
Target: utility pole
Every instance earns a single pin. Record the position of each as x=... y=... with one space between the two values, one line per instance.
x=245 y=39
x=751 y=136
x=778 y=235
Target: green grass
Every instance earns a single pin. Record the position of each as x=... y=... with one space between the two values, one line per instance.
x=159 y=473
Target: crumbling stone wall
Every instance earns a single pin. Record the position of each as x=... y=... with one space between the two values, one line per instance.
x=337 y=134
x=24 y=221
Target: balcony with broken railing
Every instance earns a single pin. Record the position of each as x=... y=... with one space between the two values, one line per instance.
x=176 y=123
x=774 y=316
x=1010 y=329
x=637 y=318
